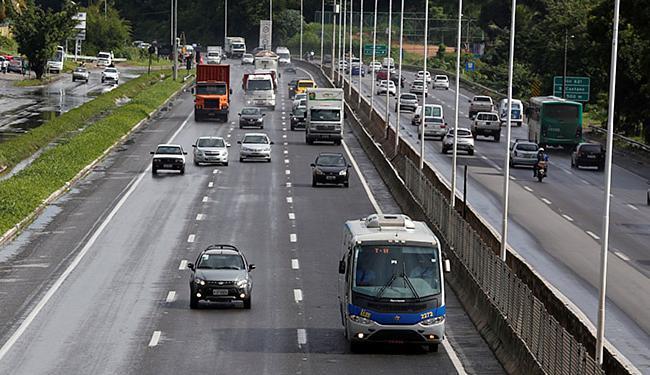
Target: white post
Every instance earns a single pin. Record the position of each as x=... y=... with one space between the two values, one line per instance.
x=600 y=334
x=334 y=12
x=345 y=24
x=424 y=86
x=225 y=23
x=374 y=56
x=454 y=158
x=301 y=10
x=350 y=61
x=360 y=51
x=399 y=75
x=338 y=60
x=271 y=23
x=175 y=15
x=506 y=166
x=322 y=31
x=390 y=32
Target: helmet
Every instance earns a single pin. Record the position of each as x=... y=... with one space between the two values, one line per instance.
x=541 y=149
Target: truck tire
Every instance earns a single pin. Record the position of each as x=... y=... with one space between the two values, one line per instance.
x=197 y=118
x=497 y=137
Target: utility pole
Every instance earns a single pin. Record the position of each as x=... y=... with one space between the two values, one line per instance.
x=322 y=31
x=175 y=40
x=399 y=76
x=334 y=13
x=390 y=66
x=374 y=56
x=454 y=158
x=566 y=45
x=345 y=18
x=424 y=80
x=350 y=61
x=301 y=10
x=225 y=23
x=271 y=23
x=360 y=50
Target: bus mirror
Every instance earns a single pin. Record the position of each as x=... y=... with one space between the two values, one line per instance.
x=447 y=266
x=342 y=267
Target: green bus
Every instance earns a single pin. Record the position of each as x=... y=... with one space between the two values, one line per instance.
x=554 y=121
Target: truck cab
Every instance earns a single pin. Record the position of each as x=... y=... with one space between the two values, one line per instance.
x=260 y=90
x=235 y=46
x=325 y=114
x=212 y=92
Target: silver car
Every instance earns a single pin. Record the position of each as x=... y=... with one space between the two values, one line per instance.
x=434 y=127
x=80 y=73
x=523 y=152
x=418 y=86
x=255 y=146
x=465 y=141
x=407 y=102
x=211 y=150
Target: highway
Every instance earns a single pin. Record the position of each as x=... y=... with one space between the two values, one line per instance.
x=556 y=225
x=98 y=284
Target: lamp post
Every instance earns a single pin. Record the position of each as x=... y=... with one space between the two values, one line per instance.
x=399 y=75
x=350 y=61
x=174 y=39
x=424 y=83
x=360 y=50
x=345 y=23
x=271 y=23
x=334 y=13
x=374 y=56
x=454 y=158
x=301 y=10
x=322 y=31
x=566 y=47
x=225 y=22
x=390 y=32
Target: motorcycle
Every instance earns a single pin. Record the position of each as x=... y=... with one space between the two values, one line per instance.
x=541 y=170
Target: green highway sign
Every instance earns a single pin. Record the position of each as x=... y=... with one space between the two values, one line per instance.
x=381 y=50
x=577 y=88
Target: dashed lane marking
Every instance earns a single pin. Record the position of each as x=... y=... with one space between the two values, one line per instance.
x=293 y=237
x=286 y=161
x=297 y=295
x=286 y=152
x=171 y=296
x=183 y=265
x=593 y=235
x=205 y=199
x=191 y=238
x=632 y=207
x=155 y=338
x=289 y=200
x=528 y=189
x=546 y=201
x=302 y=337
x=292 y=216
x=288 y=184
x=567 y=217
x=200 y=217
x=287 y=172
x=622 y=256
x=210 y=184
x=295 y=264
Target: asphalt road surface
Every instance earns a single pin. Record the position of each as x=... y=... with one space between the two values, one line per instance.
x=98 y=284
x=556 y=225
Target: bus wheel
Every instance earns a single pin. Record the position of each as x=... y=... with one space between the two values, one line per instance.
x=433 y=348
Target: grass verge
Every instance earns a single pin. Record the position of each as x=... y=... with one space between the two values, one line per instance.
x=24 y=192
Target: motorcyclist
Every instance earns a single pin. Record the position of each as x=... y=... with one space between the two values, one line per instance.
x=542 y=156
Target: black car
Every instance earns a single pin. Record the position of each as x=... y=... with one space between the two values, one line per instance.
x=221 y=274
x=169 y=157
x=588 y=155
x=251 y=117
x=298 y=118
x=290 y=69
x=330 y=168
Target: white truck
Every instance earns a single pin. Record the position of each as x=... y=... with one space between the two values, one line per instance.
x=284 y=56
x=235 y=46
x=325 y=114
x=55 y=64
x=260 y=90
x=213 y=55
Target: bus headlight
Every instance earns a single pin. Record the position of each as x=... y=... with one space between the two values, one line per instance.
x=360 y=320
x=432 y=321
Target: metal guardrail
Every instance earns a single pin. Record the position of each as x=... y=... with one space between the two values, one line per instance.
x=631 y=142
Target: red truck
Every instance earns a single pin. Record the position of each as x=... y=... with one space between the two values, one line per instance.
x=212 y=91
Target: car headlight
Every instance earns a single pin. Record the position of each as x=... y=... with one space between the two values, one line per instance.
x=432 y=321
x=360 y=319
x=242 y=283
x=199 y=281
x=343 y=172
x=318 y=171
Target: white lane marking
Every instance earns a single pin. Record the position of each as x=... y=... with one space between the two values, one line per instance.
x=284 y=129
x=293 y=237
x=513 y=178
x=215 y=171
x=295 y=264
x=286 y=152
x=155 y=338
x=632 y=207
x=286 y=161
x=210 y=184
x=529 y=189
x=229 y=135
x=205 y=199
x=302 y=337
x=546 y=201
x=191 y=238
x=284 y=123
x=371 y=197
x=288 y=184
x=593 y=235
x=566 y=171
x=584 y=181
x=183 y=265
x=284 y=136
x=622 y=256
x=286 y=144
x=292 y=216
x=287 y=172
x=289 y=200
x=200 y=217
x=454 y=358
x=75 y=262
x=567 y=217
x=171 y=296
x=297 y=295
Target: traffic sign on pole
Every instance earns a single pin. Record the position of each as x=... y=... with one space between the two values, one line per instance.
x=381 y=50
x=577 y=88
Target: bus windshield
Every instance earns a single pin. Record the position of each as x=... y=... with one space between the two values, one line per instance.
x=396 y=271
x=561 y=112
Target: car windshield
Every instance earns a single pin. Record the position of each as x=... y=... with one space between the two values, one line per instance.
x=325 y=115
x=169 y=150
x=220 y=262
x=462 y=133
x=408 y=97
x=527 y=146
x=103 y=56
x=259 y=84
x=417 y=83
x=306 y=84
x=211 y=89
x=331 y=160
x=210 y=142
x=251 y=111
x=441 y=78
x=300 y=112
x=247 y=55
x=300 y=97
x=488 y=117
x=110 y=70
x=396 y=271
x=482 y=99
x=256 y=139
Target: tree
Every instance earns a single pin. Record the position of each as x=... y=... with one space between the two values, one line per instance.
x=106 y=32
x=38 y=32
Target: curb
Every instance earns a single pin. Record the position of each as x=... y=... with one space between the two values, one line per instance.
x=13 y=232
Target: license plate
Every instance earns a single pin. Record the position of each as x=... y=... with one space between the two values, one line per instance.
x=591 y=156
x=167 y=165
x=219 y=292
x=330 y=177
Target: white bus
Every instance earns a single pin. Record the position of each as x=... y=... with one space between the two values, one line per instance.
x=55 y=64
x=391 y=284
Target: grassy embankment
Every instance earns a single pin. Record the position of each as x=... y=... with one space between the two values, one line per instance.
x=23 y=193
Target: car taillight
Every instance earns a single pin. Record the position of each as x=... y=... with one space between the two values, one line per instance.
x=443 y=126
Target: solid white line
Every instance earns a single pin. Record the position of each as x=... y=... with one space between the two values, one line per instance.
x=593 y=235
x=632 y=207
x=297 y=295
x=205 y=199
x=289 y=200
x=183 y=265
x=622 y=256
x=295 y=264
x=200 y=217
x=529 y=189
x=546 y=201
x=171 y=296
x=454 y=357
x=191 y=238
x=75 y=262
x=288 y=184
x=210 y=184
x=302 y=337
x=293 y=237
x=373 y=201
x=292 y=216
x=155 y=338
x=567 y=217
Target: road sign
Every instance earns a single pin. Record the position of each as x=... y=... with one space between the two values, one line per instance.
x=265 y=34
x=381 y=50
x=470 y=66
x=577 y=88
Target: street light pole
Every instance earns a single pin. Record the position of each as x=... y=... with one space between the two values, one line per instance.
x=399 y=75
x=334 y=12
x=360 y=51
x=345 y=23
x=322 y=31
x=374 y=56
x=454 y=158
x=390 y=32
x=225 y=22
x=175 y=16
x=424 y=81
x=566 y=44
x=301 y=10
x=350 y=61
x=600 y=334
x=338 y=59
x=271 y=23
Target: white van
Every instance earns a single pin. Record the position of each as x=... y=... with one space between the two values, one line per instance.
x=55 y=64
x=284 y=56
x=388 y=62
x=517 y=112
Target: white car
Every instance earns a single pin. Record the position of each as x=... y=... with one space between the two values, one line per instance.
x=465 y=141
x=421 y=74
x=343 y=65
x=169 y=157
x=297 y=100
x=4 y=64
x=111 y=74
x=418 y=86
x=255 y=146
x=441 y=82
x=211 y=150
x=386 y=87
x=104 y=59
x=374 y=66
x=247 y=58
